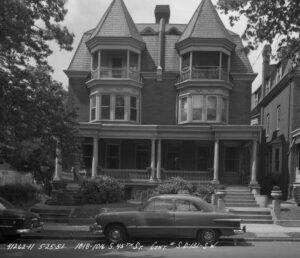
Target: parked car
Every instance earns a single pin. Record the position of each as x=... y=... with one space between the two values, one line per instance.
x=168 y=216
x=15 y=222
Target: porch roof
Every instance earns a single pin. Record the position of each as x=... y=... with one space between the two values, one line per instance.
x=170 y=132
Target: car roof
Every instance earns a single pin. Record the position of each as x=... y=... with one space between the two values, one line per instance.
x=187 y=197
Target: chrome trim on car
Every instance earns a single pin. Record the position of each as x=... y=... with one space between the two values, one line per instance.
x=96 y=229
x=29 y=230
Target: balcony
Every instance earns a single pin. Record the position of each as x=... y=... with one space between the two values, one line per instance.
x=116 y=65
x=115 y=73
x=206 y=73
x=199 y=65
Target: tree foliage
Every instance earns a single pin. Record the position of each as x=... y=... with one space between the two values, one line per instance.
x=267 y=20
x=32 y=105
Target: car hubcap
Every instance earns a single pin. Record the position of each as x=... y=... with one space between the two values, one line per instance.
x=208 y=236
x=116 y=235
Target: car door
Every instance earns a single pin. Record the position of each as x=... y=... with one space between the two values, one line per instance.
x=189 y=217
x=156 y=219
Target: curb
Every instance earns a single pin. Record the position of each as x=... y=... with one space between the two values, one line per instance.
x=79 y=236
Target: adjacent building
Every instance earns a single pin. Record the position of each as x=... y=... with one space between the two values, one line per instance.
x=276 y=106
x=158 y=100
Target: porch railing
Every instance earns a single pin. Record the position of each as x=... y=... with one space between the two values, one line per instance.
x=208 y=73
x=199 y=176
x=126 y=174
x=115 y=73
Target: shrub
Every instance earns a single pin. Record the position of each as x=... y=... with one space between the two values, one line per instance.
x=103 y=189
x=204 y=191
x=175 y=185
x=20 y=194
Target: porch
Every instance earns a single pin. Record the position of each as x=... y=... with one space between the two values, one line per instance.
x=151 y=154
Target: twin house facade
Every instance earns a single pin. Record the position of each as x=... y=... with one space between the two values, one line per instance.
x=159 y=100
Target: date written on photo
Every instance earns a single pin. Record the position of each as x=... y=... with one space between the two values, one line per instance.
x=155 y=246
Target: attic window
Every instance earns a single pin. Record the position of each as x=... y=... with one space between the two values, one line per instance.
x=148 y=31
x=173 y=31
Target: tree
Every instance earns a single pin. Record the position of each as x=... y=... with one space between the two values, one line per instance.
x=32 y=105
x=267 y=20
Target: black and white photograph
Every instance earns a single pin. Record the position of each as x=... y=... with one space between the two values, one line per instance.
x=150 y=128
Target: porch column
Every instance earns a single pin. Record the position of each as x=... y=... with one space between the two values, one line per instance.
x=95 y=157
x=191 y=65
x=220 y=66
x=99 y=64
x=58 y=167
x=216 y=163
x=158 y=166
x=127 y=68
x=254 y=163
x=152 y=160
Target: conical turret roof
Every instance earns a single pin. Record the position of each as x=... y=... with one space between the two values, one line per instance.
x=205 y=24
x=117 y=22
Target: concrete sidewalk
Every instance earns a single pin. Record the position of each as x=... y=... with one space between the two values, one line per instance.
x=255 y=232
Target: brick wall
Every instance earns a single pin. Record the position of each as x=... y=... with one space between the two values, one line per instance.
x=240 y=103
x=159 y=102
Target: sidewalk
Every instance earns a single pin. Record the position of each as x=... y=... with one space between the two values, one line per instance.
x=255 y=232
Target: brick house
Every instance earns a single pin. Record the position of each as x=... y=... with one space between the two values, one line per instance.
x=276 y=107
x=160 y=100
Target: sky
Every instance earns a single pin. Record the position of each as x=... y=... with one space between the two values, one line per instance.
x=84 y=15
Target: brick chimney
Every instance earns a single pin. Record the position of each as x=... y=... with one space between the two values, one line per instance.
x=266 y=55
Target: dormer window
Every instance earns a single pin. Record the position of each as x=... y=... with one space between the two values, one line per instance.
x=268 y=85
x=194 y=108
x=279 y=73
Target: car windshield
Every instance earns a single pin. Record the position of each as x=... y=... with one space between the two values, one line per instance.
x=4 y=204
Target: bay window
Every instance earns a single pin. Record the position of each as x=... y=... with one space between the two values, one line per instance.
x=203 y=108
x=105 y=106
x=111 y=107
x=119 y=107
x=93 y=108
x=211 y=105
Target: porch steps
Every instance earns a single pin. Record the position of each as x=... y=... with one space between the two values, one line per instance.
x=240 y=201
x=253 y=216
x=53 y=214
x=67 y=194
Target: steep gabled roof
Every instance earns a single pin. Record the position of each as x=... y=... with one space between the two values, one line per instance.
x=117 y=22
x=205 y=23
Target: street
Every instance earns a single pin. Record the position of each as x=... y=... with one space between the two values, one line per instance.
x=83 y=248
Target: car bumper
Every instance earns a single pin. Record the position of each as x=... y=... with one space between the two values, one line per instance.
x=30 y=230
x=96 y=229
x=240 y=231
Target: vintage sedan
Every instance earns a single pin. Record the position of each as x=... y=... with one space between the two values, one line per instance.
x=15 y=222
x=168 y=216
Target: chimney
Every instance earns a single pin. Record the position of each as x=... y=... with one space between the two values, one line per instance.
x=162 y=12
x=266 y=54
x=162 y=16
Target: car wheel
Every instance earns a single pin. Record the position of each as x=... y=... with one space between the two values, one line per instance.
x=208 y=236
x=115 y=234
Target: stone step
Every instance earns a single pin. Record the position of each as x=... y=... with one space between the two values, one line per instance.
x=250 y=211
x=232 y=205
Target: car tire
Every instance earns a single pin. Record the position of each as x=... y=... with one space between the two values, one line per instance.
x=115 y=234
x=208 y=236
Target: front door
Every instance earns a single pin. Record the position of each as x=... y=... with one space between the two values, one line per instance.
x=230 y=173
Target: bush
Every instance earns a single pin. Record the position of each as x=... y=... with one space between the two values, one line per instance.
x=102 y=189
x=204 y=191
x=175 y=185
x=20 y=194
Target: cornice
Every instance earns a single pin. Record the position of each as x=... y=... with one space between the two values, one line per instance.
x=243 y=76
x=124 y=82
x=72 y=73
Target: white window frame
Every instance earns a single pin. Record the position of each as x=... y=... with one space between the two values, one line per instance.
x=109 y=107
x=124 y=107
x=187 y=109
x=93 y=108
x=133 y=108
x=202 y=111
x=217 y=109
x=267 y=124
x=278 y=111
